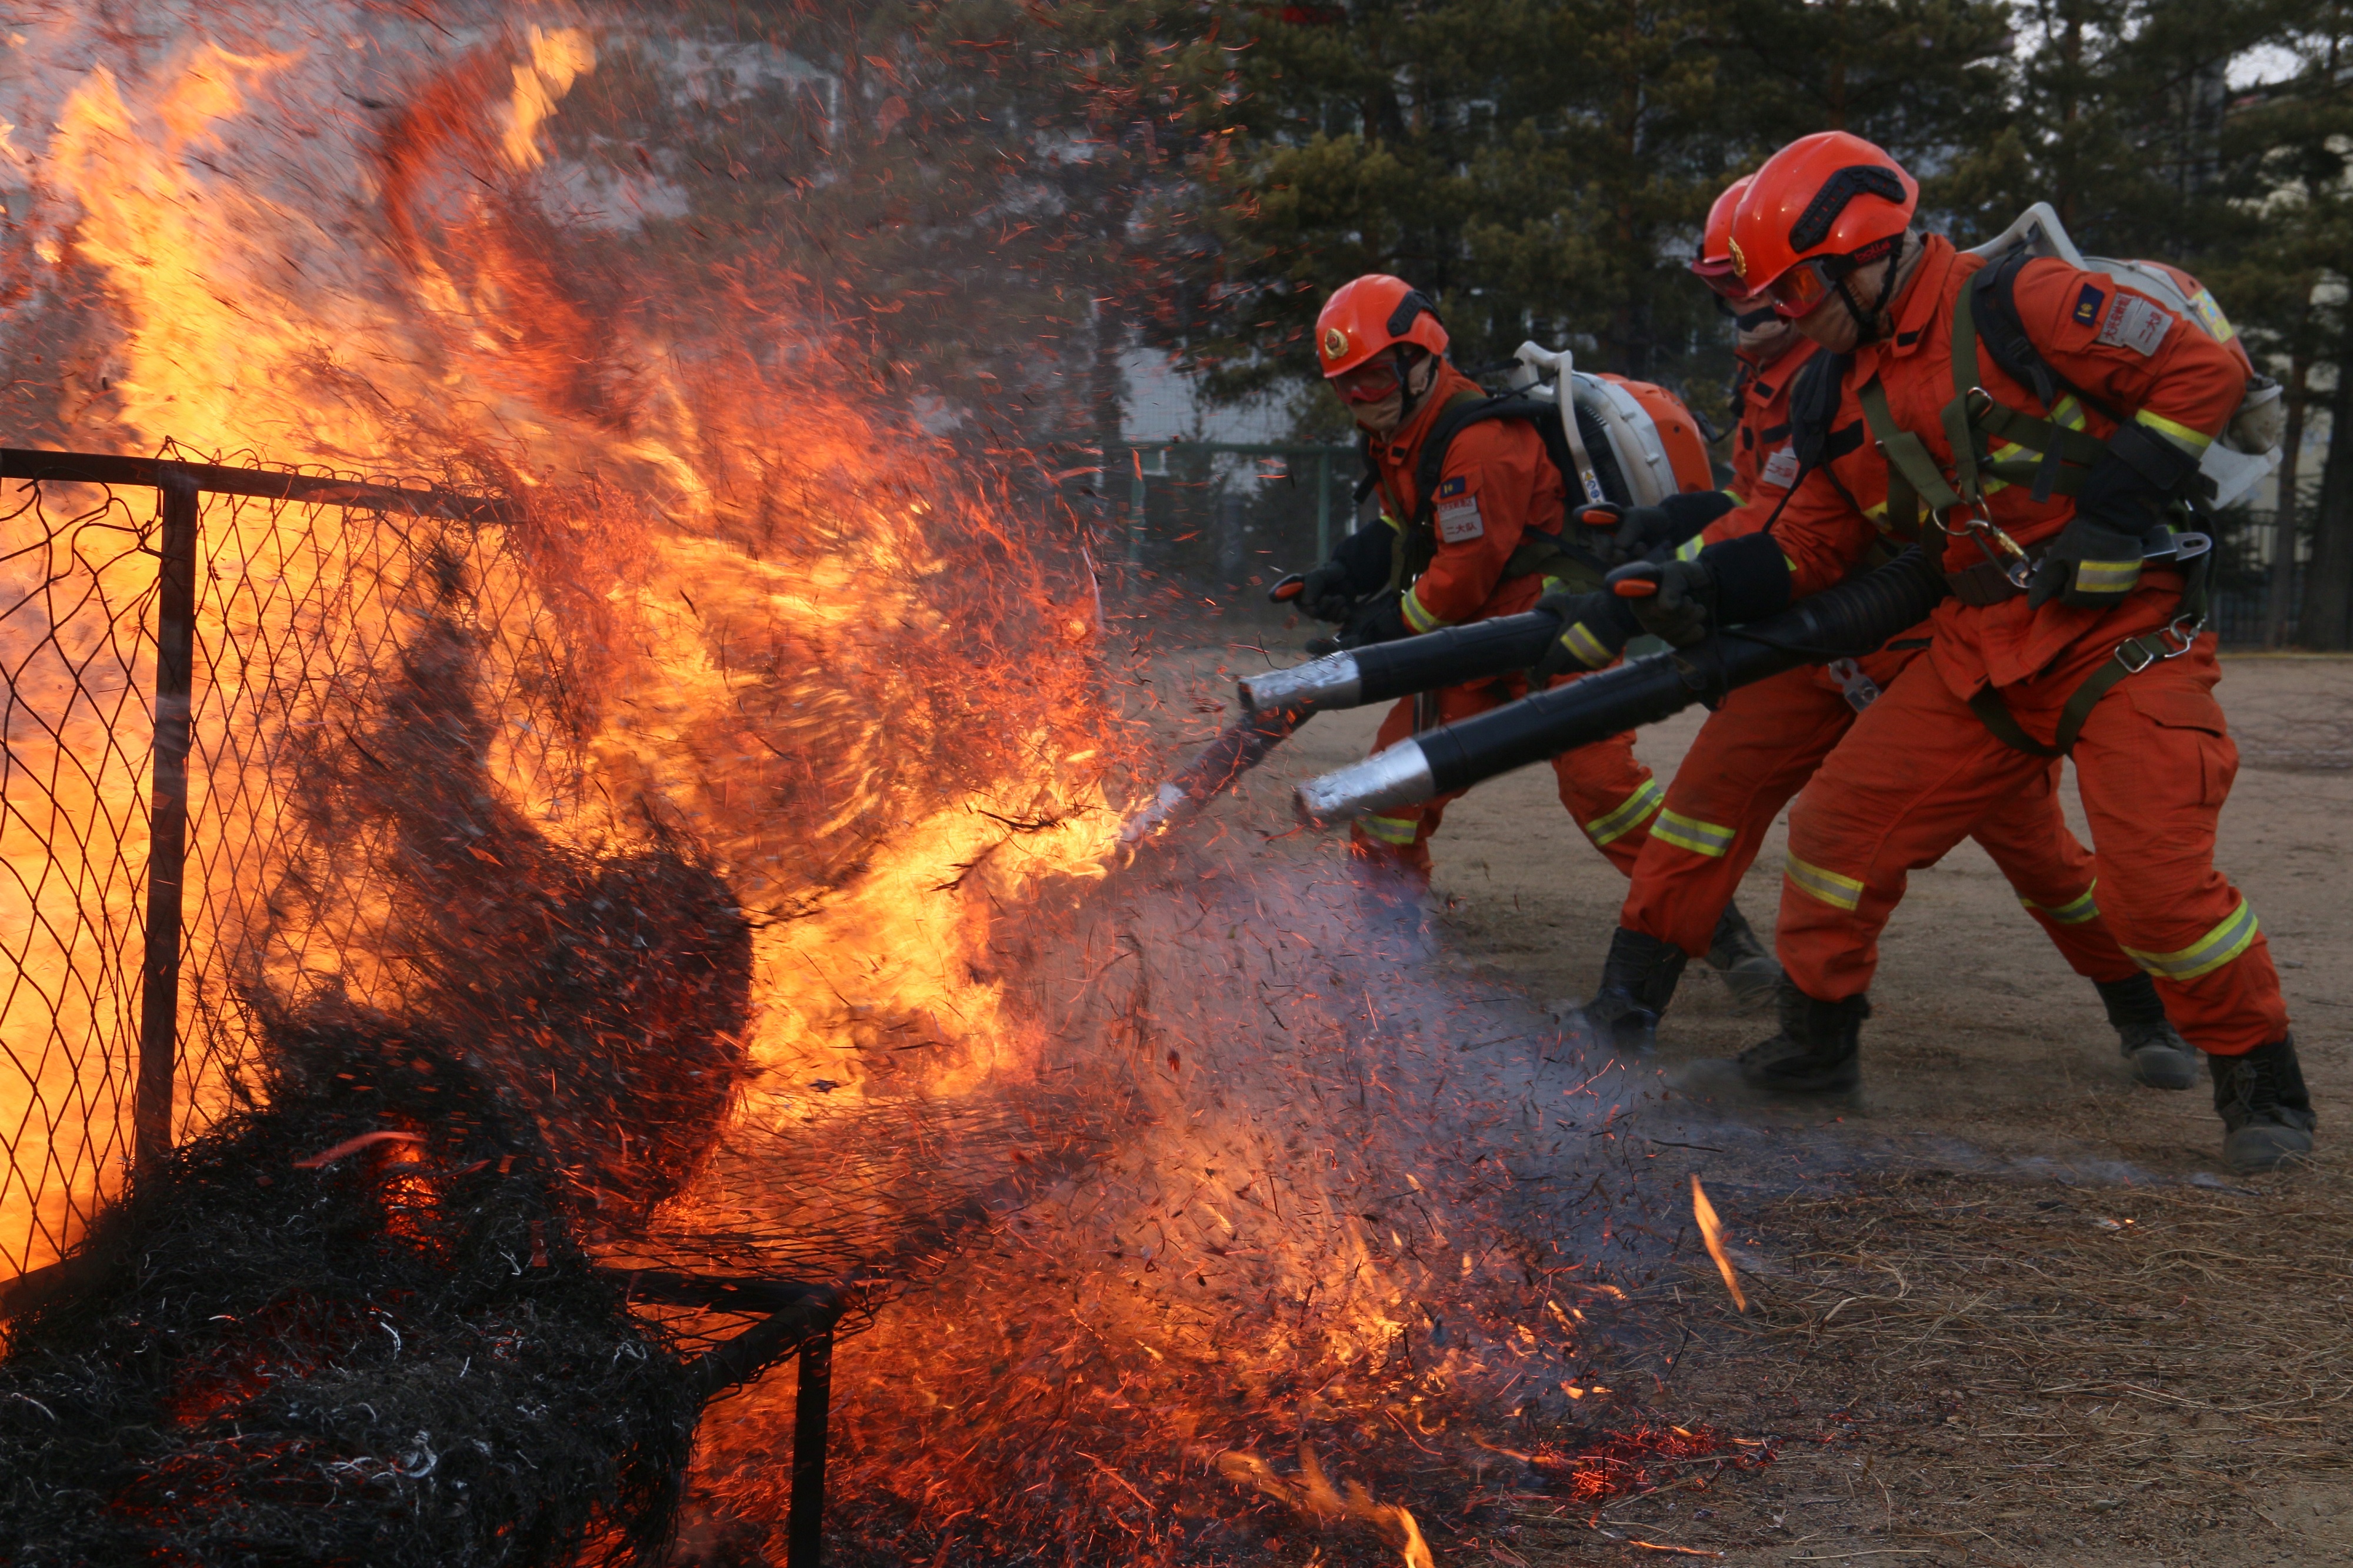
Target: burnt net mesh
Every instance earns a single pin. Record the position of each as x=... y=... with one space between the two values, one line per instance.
x=457 y=1036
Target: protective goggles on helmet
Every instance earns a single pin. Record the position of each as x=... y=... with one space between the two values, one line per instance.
x=1809 y=281
x=1369 y=382
x=1720 y=275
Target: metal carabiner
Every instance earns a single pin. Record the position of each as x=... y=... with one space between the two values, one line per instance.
x=2179 y=642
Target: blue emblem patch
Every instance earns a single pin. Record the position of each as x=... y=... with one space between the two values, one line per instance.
x=2087 y=306
x=1453 y=487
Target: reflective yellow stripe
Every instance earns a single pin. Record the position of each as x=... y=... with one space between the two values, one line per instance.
x=1838 y=892
x=2106 y=576
x=1396 y=830
x=1708 y=839
x=1734 y=494
x=1629 y=815
x=2191 y=441
x=2074 y=912
x=1418 y=618
x=1587 y=646
x=2068 y=412
x=2209 y=952
x=1690 y=548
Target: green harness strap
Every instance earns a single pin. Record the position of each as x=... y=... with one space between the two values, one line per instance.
x=2064 y=456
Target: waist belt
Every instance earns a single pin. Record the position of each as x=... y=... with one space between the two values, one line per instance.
x=1982 y=584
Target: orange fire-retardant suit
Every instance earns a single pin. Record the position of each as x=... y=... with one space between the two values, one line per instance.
x=1762 y=744
x=1495 y=484
x=1920 y=767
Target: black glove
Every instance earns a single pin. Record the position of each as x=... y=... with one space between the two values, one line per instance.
x=1594 y=629
x=2092 y=564
x=1324 y=593
x=1382 y=620
x=1680 y=608
x=1617 y=534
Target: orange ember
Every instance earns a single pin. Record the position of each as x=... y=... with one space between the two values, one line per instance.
x=1711 y=1230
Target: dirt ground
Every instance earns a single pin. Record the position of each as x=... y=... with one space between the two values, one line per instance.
x=2036 y=1320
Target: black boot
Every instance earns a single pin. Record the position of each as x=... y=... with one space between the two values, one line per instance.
x=2160 y=1058
x=1747 y=969
x=2266 y=1113
x=1818 y=1050
x=1638 y=980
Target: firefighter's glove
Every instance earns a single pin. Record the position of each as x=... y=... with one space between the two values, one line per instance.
x=1595 y=628
x=1616 y=534
x=1674 y=601
x=1383 y=620
x=1324 y=593
x=2138 y=481
x=1364 y=565
x=2092 y=565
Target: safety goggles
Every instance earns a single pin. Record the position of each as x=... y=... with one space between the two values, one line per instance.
x=1368 y=383
x=1806 y=285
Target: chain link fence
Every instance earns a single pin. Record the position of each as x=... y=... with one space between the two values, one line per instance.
x=177 y=642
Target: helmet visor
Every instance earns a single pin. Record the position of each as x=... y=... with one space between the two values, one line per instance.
x=1367 y=382
x=1718 y=273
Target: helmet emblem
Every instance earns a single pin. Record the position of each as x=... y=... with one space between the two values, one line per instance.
x=1335 y=342
x=1739 y=262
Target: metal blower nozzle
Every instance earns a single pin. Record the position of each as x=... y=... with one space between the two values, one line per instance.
x=1318 y=686
x=1398 y=776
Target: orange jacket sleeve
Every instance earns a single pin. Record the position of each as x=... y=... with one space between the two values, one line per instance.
x=2131 y=353
x=1496 y=482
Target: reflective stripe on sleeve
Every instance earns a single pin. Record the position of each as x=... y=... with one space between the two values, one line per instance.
x=2193 y=442
x=1628 y=815
x=1690 y=548
x=1587 y=646
x=1708 y=839
x=1734 y=494
x=1396 y=830
x=2210 y=952
x=2106 y=576
x=2074 y=912
x=1838 y=892
x=1416 y=616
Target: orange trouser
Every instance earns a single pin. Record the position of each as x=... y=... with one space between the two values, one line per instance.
x=2153 y=767
x=1612 y=796
x=1761 y=746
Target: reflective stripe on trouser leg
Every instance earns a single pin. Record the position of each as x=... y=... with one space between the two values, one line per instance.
x=2154 y=767
x=1628 y=816
x=1709 y=838
x=1395 y=831
x=1751 y=756
x=2231 y=936
x=1909 y=782
x=1612 y=796
x=2053 y=875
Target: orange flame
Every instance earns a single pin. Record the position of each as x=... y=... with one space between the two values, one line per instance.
x=1711 y=1230
x=1314 y=1494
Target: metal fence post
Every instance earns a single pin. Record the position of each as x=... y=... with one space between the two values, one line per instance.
x=1135 y=508
x=812 y=1408
x=1323 y=505
x=168 y=816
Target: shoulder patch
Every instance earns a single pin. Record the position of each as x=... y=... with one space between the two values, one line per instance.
x=1459 y=521
x=2088 y=305
x=2136 y=324
x=1448 y=489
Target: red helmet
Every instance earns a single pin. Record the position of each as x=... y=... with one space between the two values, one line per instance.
x=1713 y=265
x=1371 y=313
x=1821 y=207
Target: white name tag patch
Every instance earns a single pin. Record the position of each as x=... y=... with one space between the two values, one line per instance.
x=1459 y=521
x=2134 y=324
x=1782 y=467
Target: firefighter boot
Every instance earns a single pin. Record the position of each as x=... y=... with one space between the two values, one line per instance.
x=1637 y=979
x=1748 y=971
x=2160 y=1058
x=1818 y=1050
x=2266 y=1114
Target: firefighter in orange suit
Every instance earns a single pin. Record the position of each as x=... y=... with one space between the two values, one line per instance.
x=1761 y=745
x=1480 y=546
x=2042 y=427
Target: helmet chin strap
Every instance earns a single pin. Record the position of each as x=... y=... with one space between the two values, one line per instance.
x=1407 y=396
x=1866 y=322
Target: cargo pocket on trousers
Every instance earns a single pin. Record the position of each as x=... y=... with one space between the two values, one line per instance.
x=2191 y=722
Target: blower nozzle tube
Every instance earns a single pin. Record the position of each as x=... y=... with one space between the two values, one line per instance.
x=1837 y=622
x=1383 y=671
